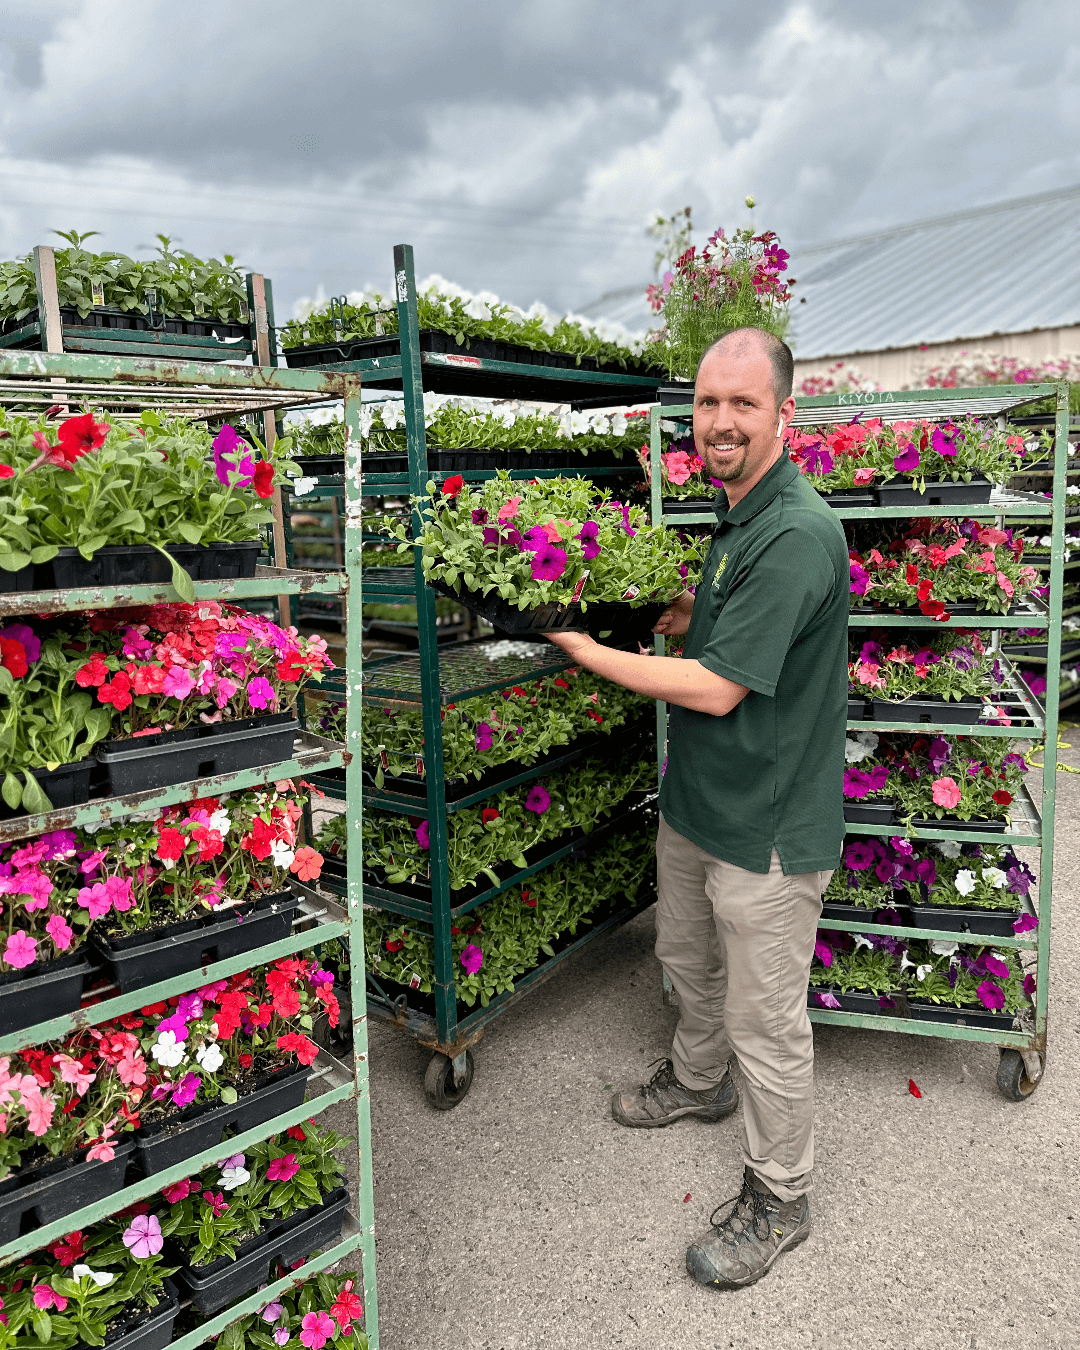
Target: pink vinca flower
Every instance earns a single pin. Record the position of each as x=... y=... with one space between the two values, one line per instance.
x=46 y=1297
x=316 y=1329
x=282 y=1169
x=143 y=1239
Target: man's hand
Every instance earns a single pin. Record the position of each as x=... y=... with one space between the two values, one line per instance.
x=676 y=618
x=573 y=644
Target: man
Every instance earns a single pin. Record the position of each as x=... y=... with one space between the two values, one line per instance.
x=751 y=804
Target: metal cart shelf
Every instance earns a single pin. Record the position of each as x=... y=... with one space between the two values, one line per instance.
x=1023 y=1049
x=127 y=384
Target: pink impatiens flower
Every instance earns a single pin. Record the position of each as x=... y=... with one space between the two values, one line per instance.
x=178 y=682
x=316 y=1329
x=72 y=1071
x=21 y=951
x=260 y=693
x=282 y=1169
x=96 y=899
x=60 y=931
x=946 y=792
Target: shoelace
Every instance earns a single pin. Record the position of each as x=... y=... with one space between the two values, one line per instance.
x=662 y=1078
x=757 y=1204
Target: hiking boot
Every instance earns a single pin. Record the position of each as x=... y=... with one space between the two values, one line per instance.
x=743 y=1246
x=664 y=1099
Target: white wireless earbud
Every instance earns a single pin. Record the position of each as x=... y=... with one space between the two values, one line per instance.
x=780 y=427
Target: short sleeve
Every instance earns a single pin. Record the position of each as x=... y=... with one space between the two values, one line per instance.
x=776 y=594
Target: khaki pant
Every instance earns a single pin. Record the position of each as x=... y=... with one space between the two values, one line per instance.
x=737 y=948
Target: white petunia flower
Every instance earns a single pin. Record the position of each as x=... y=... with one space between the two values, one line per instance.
x=995 y=876
x=942 y=947
x=964 y=881
x=168 y=1051
x=921 y=972
x=210 y=1057
x=948 y=848
x=861 y=940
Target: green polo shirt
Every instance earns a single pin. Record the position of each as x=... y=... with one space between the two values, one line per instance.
x=771 y=613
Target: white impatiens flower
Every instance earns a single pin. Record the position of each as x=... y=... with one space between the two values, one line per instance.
x=168 y=1051
x=995 y=876
x=220 y=821
x=964 y=881
x=281 y=853
x=943 y=947
x=210 y=1057
x=948 y=848
x=100 y=1277
x=231 y=1177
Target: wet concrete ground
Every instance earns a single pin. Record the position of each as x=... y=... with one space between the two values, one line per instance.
x=527 y=1218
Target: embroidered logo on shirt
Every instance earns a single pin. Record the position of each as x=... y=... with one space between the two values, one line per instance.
x=720 y=570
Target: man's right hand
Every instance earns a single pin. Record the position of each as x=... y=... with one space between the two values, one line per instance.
x=676 y=618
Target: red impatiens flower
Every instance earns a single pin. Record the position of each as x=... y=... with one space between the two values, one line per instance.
x=263 y=480
x=13 y=657
x=304 y=1050
x=209 y=841
x=171 y=844
x=6 y=471
x=117 y=691
x=453 y=485
x=258 y=842
x=95 y=672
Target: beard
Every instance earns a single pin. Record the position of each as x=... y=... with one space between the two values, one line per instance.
x=734 y=463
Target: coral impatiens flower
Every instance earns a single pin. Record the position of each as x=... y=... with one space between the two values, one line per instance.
x=306 y=864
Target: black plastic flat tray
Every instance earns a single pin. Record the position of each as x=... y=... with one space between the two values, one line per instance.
x=946 y=493
x=12 y=582
x=915 y=710
x=857 y=1001
x=622 y=621
x=870 y=813
x=136 y=765
x=117 y=321
x=139 y=564
x=966 y=919
x=955 y=823
x=972 y=1017
x=42 y=991
x=34 y=1197
x=152 y=1331
x=66 y=785
x=688 y=506
x=858 y=709
x=146 y=958
x=862 y=496
x=161 y=1146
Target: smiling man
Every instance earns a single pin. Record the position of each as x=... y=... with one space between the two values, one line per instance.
x=751 y=804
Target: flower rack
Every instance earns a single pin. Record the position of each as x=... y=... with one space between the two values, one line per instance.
x=903 y=923
x=49 y=1210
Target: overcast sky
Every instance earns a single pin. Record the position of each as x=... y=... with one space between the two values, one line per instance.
x=519 y=146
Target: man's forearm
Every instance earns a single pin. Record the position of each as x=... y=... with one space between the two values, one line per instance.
x=671 y=678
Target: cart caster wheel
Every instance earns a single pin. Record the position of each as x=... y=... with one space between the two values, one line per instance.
x=439 y=1086
x=1012 y=1076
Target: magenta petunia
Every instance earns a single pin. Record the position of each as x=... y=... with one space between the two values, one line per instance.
x=1025 y=923
x=484 y=738
x=823 y=953
x=423 y=838
x=549 y=563
x=472 y=958
x=589 y=534
x=859 y=856
x=907 y=460
x=538 y=800
x=991 y=996
x=994 y=966
x=226 y=463
x=827 y=1000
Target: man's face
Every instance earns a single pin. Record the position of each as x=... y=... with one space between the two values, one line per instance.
x=735 y=414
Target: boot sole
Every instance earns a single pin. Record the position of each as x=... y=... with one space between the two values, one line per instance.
x=707 y=1114
x=788 y=1245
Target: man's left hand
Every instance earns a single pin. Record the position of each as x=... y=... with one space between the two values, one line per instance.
x=571 y=643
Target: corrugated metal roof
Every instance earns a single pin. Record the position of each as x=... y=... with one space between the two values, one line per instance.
x=1008 y=268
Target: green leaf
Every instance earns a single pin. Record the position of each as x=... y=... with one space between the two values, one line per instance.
x=90 y=546
x=43 y=1325
x=130 y=517
x=192 y=533
x=228 y=1095
x=14 y=562
x=44 y=553
x=33 y=797
x=11 y=791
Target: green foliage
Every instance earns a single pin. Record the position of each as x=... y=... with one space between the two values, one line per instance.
x=953 y=665
x=861 y=970
x=181 y=284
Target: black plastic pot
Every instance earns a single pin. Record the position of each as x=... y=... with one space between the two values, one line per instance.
x=617 y=618
x=144 y=958
x=857 y=708
x=42 y=991
x=859 y=1002
x=22 y=580
x=948 y=822
x=150 y=1330
x=688 y=506
x=163 y=1145
x=66 y=785
x=114 y=320
x=928 y=709
x=321 y=466
x=924 y=1011
x=139 y=564
x=140 y=763
x=674 y=392
x=854 y=496
x=966 y=919
x=36 y=1196
x=221 y=1282
x=948 y=493
x=834 y=911
x=413 y=785
x=870 y=813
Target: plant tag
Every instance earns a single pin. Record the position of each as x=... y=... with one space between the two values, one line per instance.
x=429 y=871
x=631 y=592
x=414 y=981
x=97 y=292
x=420 y=765
x=579 y=587
x=383 y=757
x=453 y=359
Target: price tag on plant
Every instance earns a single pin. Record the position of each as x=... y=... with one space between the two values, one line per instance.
x=579 y=587
x=97 y=293
x=383 y=757
x=420 y=765
x=631 y=592
x=414 y=981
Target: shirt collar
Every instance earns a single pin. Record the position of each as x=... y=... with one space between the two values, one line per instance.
x=760 y=495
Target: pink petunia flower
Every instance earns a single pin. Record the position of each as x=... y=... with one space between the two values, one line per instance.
x=538 y=800
x=946 y=792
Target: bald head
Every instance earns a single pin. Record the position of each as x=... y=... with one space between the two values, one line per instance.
x=744 y=341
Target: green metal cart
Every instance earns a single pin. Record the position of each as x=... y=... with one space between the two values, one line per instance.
x=1023 y=1051
x=123 y=387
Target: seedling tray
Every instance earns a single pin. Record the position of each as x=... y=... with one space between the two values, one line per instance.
x=947 y=493
x=860 y=496
x=145 y=958
x=215 y=1286
x=42 y=991
x=137 y=764
x=951 y=607
x=858 y=709
x=114 y=320
x=36 y=1196
x=966 y=919
x=139 y=564
x=859 y=1002
x=970 y=1017
x=163 y=1145
x=948 y=822
x=66 y=785
x=963 y=713
x=688 y=506
x=618 y=619
x=152 y=1330
x=22 y=580
x=835 y=911
x=870 y=813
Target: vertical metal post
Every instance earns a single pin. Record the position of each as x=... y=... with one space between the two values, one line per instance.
x=1053 y=681
x=354 y=798
x=430 y=693
x=260 y=332
x=52 y=333
x=656 y=499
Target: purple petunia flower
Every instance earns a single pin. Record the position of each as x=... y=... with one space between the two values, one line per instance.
x=472 y=958
x=225 y=444
x=589 y=535
x=1025 y=923
x=944 y=442
x=858 y=856
x=535 y=539
x=539 y=799
x=860 y=578
x=827 y=1000
x=549 y=563
x=479 y=515
x=963 y=658
x=818 y=461
x=991 y=996
x=907 y=460
x=823 y=953
x=938 y=753
x=1018 y=760
x=492 y=537
x=422 y=836
x=22 y=632
x=994 y=966
x=484 y=737
x=1029 y=985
